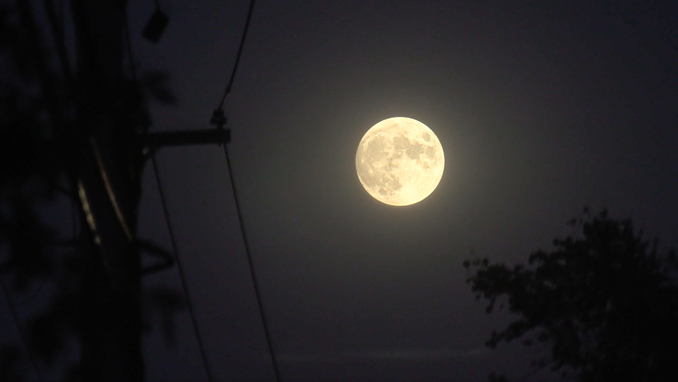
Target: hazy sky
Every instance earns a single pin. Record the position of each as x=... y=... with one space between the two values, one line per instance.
x=542 y=107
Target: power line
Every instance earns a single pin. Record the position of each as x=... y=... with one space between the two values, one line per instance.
x=252 y=273
x=219 y=120
x=170 y=230
x=237 y=58
x=189 y=302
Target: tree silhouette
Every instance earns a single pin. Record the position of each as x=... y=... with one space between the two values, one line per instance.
x=605 y=300
x=51 y=115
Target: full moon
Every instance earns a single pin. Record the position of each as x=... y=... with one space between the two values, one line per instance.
x=400 y=161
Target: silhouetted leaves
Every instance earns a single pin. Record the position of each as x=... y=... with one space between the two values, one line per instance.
x=41 y=141
x=27 y=239
x=156 y=84
x=606 y=301
x=167 y=302
x=10 y=361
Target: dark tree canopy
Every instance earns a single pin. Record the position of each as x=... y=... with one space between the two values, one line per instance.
x=605 y=300
x=50 y=112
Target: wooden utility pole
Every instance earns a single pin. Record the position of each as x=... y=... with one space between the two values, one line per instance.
x=111 y=139
x=95 y=131
x=108 y=184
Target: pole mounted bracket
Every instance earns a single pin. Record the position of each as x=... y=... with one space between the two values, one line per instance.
x=220 y=136
x=218 y=119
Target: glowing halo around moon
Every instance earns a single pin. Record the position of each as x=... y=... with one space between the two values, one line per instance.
x=400 y=161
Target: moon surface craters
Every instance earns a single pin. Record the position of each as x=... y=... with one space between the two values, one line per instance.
x=400 y=161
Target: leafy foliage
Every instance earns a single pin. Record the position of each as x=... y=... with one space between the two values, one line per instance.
x=41 y=142
x=606 y=301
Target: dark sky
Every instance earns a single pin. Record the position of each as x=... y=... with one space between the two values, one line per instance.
x=541 y=107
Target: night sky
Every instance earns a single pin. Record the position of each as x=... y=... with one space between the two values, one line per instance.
x=542 y=107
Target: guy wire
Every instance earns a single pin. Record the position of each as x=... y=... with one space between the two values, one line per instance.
x=175 y=249
x=264 y=321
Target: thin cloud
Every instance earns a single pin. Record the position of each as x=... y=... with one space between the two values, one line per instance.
x=383 y=355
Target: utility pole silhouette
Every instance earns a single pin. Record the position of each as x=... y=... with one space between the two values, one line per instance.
x=109 y=190
x=97 y=135
x=107 y=179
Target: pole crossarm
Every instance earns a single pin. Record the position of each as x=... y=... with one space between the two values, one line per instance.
x=185 y=138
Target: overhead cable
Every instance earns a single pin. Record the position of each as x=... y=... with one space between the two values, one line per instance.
x=170 y=230
x=189 y=302
x=237 y=57
x=219 y=120
x=257 y=293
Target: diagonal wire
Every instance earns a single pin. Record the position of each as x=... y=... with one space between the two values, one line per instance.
x=189 y=302
x=264 y=321
x=170 y=230
x=237 y=58
x=220 y=124
x=128 y=43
